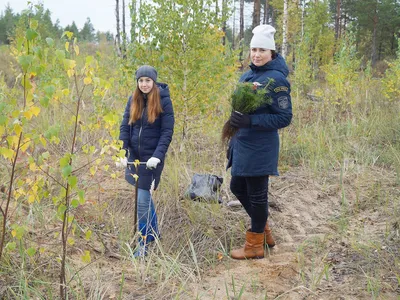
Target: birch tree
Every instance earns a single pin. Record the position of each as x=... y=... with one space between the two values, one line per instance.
x=118 y=36
x=266 y=12
x=123 y=29
x=285 y=28
x=202 y=67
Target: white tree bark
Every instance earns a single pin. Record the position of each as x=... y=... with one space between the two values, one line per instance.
x=123 y=29
x=118 y=36
x=285 y=28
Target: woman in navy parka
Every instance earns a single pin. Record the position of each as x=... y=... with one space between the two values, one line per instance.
x=254 y=150
x=146 y=132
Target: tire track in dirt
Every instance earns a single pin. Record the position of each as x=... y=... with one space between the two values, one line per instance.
x=301 y=211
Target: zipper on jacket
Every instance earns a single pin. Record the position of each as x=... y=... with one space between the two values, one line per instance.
x=140 y=131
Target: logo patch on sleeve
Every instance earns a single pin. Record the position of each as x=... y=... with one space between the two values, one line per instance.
x=281 y=89
x=283 y=102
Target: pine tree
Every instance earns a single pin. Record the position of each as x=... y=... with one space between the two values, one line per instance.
x=8 y=22
x=73 y=28
x=87 y=33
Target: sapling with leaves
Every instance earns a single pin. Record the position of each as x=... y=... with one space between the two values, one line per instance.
x=245 y=99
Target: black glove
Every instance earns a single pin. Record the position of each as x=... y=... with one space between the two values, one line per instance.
x=228 y=152
x=240 y=120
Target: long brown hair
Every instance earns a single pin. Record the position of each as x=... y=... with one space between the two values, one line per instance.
x=154 y=108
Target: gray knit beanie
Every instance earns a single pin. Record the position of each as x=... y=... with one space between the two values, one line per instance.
x=146 y=71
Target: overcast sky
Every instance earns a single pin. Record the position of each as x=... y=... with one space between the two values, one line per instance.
x=100 y=12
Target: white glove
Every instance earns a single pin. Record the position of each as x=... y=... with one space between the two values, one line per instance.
x=122 y=162
x=152 y=163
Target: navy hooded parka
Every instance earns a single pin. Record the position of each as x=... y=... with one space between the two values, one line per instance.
x=145 y=140
x=254 y=151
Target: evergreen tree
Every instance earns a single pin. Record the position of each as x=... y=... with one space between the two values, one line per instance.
x=375 y=24
x=46 y=28
x=104 y=36
x=73 y=28
x=8 y=22
x=58 y=28
x=87 y=33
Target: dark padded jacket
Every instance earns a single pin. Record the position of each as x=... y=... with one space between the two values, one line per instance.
x=254 y=151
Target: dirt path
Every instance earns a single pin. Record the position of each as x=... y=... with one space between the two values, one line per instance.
x=310 y=261
x=335 y=236
x=296 y=215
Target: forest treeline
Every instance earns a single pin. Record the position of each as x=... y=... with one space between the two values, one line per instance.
x=9 y=21
x=373 y=24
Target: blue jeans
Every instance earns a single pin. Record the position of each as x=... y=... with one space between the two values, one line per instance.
x=252 y=192
x=147 y=217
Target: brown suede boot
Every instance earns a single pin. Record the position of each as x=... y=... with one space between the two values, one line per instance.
x=269 y=240
x=253 y=248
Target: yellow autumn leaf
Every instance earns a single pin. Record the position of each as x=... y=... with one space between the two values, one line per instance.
x=35 y=110
x=136 y=163
x=87 y=80
x=92 y=171
x=69 y=34
x=32 y=166
x=69 y=63
x=16 y=195
x=67 y=46
x=28 y=115
x=86 y=257
x=29 y=98
x=70 y=73
x=7 y=153
x=76 y=48
x=71 y=241
x=88 y=235
x=43 y=141
x=25 y=146
x=31 y=198
x=13 y=140
x=17 y=129
x=13 y=233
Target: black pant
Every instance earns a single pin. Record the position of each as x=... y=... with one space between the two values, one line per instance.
x=252 y=192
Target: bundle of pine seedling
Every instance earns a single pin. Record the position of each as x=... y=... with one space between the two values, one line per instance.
x=247 y=97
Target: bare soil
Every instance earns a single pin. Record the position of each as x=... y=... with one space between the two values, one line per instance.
x=317 y=225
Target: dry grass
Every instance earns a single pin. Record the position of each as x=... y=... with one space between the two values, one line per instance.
x=336 y=218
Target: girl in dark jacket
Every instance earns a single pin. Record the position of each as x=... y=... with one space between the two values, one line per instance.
x=254 y=150
x=146 y=132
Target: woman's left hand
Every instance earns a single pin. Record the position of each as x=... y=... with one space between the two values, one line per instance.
x=152 y=163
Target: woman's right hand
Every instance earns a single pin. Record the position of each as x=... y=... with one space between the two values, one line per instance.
x=240 y=120
x=121 y=163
